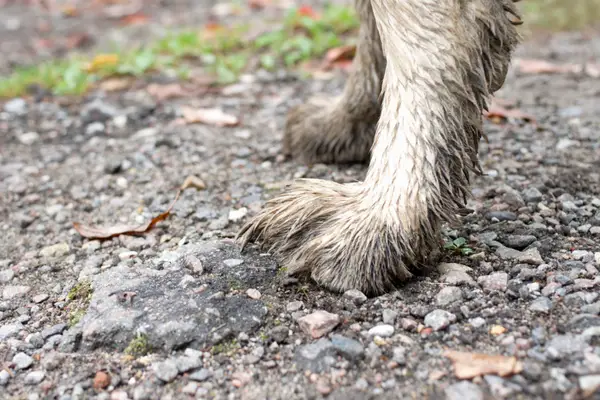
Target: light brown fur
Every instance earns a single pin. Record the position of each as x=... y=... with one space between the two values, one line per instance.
x=443 y=59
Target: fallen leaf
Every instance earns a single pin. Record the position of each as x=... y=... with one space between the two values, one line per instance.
x=499 y=113
x=258 y=4
x=134 y=19
x=339 y=57
x=193 y=181
x=70 y=11
x=469 y=365
x=497 y=330
x=307 y=11
x=165 y=92
x=78 y=40
x=532 y=66
x=120 y=10
x=101 y=380
x=114 y=84
x=101 y=61
x=91 y=232
x=209 y=116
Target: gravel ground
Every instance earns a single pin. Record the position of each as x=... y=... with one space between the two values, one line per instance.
x=77 y=315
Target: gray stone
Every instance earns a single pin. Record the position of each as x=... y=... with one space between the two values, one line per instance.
x=494 y=281
x=98 y=111
x=477 y=322
x=383 y=331
x=593 y=308
x=589 y=384
x=464 y=390
x=10 y=330
x=185 y=363
x=4 y=377
x=17 y=106
x=317 y=357
x=279 y=333
x=56 y=250
x=54 y=330
x=531 y=256
x=170 y=315
x=40 y=298
x=166 y=370
x=541 y=304
x=399 y=355
x=439 y=319
x=563 y=346
x=518 y=242
x=36 y=340
x=6 y=275
x=349 y=348
x=448 y=295
x=389 y=316
x=502 y=215
x=29 y=138
x=532 y=195
x=22 y=361
x=34 y=377
x=456 y=274
x=201 y=375
x=13 y=291
x=294 y=306
x=355 y=296
x=234 y=262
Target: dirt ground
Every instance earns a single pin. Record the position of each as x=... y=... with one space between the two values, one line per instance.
x=180 y=313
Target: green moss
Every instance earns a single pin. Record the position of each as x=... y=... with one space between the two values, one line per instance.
x=226 y=347
x=139 y=346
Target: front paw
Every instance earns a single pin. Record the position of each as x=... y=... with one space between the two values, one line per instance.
x=323 y=228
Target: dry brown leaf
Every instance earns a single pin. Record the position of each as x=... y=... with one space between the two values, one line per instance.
x=339 y=57
x=115 y=84
x=532 y=66
x=209 y=116
x=135 y=19
x=193 y=181
x=91 y=232
x=497 y=113
x=469 y=365
x=165 y=92
x=258 y=4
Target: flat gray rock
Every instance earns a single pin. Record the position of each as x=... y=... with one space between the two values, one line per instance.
x=170 y=307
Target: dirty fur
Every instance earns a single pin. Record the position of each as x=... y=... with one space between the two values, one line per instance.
x=444 y=58
x=341 y=130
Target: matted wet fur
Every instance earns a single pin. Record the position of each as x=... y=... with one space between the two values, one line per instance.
x=443 y=59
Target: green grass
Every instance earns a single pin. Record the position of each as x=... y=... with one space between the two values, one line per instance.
x=559 y=15
x=225 y=54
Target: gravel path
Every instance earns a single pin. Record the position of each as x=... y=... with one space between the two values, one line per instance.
x=180 y=313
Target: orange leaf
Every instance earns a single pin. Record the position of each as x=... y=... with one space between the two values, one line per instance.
x=209 y=116
x=91 y=232
x=102 y=60
x=469 y=365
